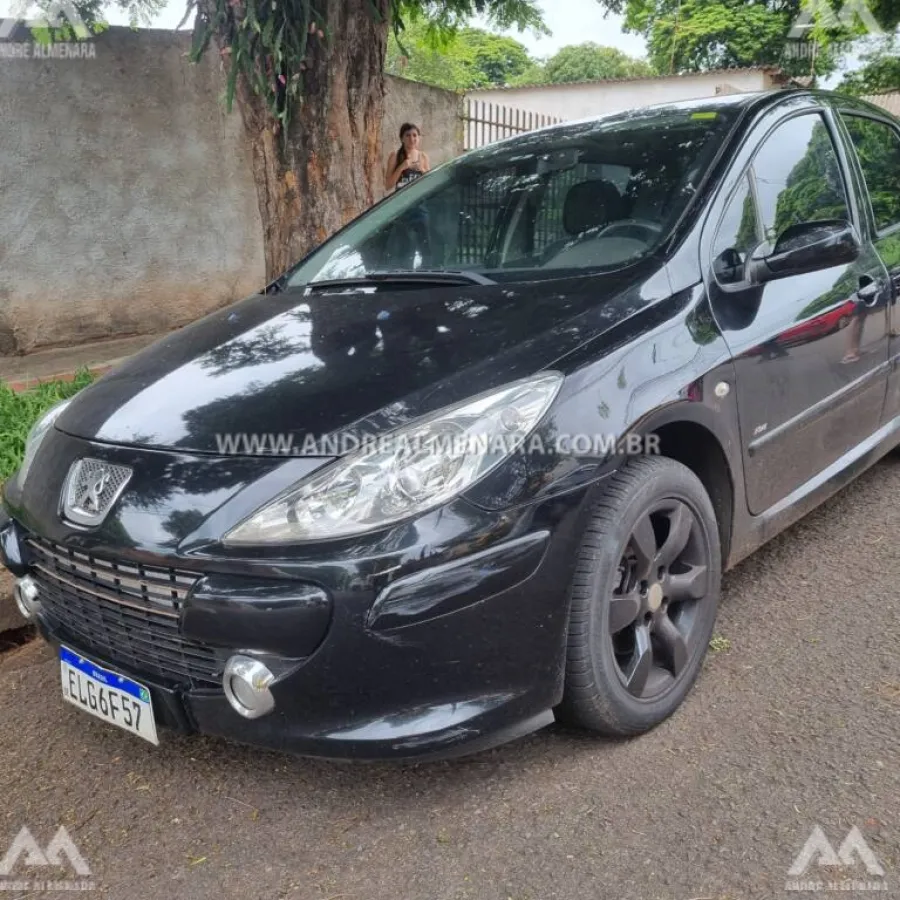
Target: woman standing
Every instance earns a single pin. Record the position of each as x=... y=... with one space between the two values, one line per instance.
x=409 y=162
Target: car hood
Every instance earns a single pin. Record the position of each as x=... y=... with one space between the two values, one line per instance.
x=300 y=369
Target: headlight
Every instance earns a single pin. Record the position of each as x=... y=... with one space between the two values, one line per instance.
x=408 y=472
x=36 y=437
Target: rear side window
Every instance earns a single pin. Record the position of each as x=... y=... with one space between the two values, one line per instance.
x=878 y=149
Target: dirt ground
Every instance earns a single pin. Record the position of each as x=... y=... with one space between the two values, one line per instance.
x=794 y=724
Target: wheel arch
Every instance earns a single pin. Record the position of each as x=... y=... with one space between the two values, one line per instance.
x=687 y=433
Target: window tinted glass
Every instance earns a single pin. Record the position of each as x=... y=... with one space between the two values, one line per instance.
x=585 y=196
x=738 y=229
x=798 y=176
x=737 y=236
x=878 y=149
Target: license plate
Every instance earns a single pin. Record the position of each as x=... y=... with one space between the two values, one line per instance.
x=107 y=695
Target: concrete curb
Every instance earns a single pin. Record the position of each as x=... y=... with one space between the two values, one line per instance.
x=61 y=363
x=28 y=384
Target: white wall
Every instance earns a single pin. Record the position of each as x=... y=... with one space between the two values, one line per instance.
x=580 y=101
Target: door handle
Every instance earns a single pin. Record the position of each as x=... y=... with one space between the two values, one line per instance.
x=869 y=291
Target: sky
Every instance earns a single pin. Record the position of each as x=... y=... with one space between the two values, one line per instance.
x=577 y=21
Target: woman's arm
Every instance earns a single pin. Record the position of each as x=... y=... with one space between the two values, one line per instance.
x=392 y=172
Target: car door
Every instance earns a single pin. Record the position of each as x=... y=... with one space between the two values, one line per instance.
x=810 y=369
x=875 y=143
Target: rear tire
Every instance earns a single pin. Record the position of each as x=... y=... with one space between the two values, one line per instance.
x=644 y=599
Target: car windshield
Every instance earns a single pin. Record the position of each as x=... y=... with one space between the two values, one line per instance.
x=586 y=196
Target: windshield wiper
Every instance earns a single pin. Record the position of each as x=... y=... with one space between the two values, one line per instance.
x=447 y=277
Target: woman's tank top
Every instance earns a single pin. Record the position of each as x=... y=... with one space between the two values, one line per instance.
x=408 y=176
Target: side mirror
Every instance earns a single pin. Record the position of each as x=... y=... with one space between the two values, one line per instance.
x=800 y=249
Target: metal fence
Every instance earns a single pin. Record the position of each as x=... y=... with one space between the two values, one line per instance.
x=483 y=200
x=485 y=123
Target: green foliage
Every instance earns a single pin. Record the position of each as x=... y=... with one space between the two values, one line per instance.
x=533 y=74
x=19 y=412
x=746 y=234
x=814 y=189
x=462 y=60
x=90 y=12
x=695 y=35
x=887 y=13
x=879 y=73
x=879 y=154
x=590 y=62
x=443 y=17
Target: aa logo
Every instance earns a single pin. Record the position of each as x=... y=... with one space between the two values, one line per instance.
x=61 y=846
x=852 y=850
x=59 y=14
x=823 y=12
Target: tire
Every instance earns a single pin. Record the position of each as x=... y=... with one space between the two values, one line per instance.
x=606 y=590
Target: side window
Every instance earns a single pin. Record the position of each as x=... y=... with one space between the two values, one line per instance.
x=798 y=176
x=878 y=149
x=737 y=235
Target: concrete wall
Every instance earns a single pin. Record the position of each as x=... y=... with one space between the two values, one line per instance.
x=890 y=102
x=438 y=114
x=580 y=101
x=127 y=203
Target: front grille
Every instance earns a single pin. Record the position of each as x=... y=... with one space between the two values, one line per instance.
x=124 y=612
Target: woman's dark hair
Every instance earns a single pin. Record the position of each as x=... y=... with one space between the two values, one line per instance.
x=405 y=128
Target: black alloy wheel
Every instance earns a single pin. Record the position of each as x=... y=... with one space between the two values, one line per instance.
x=644 y=599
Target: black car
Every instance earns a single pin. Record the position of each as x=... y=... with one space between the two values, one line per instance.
x=478 y=462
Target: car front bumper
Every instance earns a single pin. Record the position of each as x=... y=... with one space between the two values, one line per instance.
x=452 y=646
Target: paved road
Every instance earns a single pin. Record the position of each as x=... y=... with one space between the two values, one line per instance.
x=794 y=723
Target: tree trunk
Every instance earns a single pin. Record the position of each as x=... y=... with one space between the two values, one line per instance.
x=329 y=171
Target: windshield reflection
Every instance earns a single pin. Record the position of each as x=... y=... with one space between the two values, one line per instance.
x=581 y=197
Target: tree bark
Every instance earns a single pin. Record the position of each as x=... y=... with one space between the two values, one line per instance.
x=328 y=173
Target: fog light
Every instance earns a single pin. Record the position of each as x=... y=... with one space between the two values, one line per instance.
x=246 y=682
x=26 y=593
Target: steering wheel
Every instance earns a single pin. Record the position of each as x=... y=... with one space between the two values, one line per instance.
x=652 y=229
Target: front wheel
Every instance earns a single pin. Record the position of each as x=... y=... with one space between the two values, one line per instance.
x=644 y=599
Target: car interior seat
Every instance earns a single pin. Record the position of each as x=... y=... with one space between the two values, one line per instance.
x=589 y=205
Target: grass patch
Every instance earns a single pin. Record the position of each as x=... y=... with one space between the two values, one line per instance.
x=19 y=412
x=719 y=644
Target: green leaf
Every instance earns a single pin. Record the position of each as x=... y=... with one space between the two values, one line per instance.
x=276 y=47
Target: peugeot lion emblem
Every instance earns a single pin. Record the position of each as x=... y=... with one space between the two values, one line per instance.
x=90 y=497
x=92 y=488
